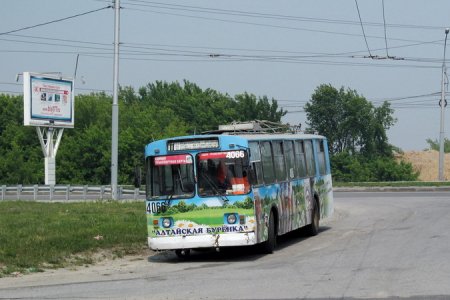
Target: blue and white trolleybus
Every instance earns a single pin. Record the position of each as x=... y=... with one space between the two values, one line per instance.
x=241 y=185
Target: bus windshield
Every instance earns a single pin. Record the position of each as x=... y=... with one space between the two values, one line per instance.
x=222 y=173
x=170 y=176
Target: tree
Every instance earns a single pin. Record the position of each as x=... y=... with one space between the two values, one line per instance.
x=158 y=110
x=251 y=108
x=21 y=158
x=204 y=110
x=435 y=145
x=85 y=152
x=356 y=132
x=349 y=121
x=200 y=110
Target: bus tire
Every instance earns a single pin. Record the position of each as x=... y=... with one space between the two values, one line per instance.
x=183 y=253
x=313 y=228
x=269 y=245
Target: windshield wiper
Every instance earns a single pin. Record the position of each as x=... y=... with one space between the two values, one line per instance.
x=169 y=199
x=214 y=187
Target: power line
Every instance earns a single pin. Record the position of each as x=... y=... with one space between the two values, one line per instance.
x=161 y=5
x=59 y=40
x=362 y=27
x=374 y=100
x=207 y=57
x=267 y=25
x=78 y=88
x=384 y=23
x=275 y=51
x=272 y=60
x=10 y=92
x=236 y=57
x=130 y=46
x=54 y=44
x=404 y=97
x=55 y=21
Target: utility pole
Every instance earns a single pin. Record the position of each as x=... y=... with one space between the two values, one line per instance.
x=115 y=105
x=443 y=104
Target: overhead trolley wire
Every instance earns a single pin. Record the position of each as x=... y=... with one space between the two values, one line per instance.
x=129 y=49
x=172 y=6
x=197 y=56
x=55 y=21
x=384 y=23
x=58 y=40
x=163 y=47
x=266 y=25
x=362 y=27
x=54 y=44
x=404 y=97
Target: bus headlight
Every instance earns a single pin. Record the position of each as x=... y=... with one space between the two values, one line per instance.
x=166 y=222
x=231 y=218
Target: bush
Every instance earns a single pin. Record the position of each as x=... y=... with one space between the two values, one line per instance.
x=388 y=169
x=348 y=168
x=354 y=168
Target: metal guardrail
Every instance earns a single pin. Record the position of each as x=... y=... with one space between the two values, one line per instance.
x=66 y=193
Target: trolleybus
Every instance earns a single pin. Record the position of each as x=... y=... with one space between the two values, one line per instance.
x=238 y=186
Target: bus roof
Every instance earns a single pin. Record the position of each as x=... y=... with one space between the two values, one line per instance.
x=249 y=136
x=206 y=141
x=279 y=136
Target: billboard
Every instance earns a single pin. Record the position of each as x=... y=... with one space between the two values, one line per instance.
x=48 y=100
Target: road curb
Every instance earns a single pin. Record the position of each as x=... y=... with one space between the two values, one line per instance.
x=393 y=189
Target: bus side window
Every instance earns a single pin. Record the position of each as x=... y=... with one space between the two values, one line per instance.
x=290 y=159
x=267 y=163
x=310 y=165
x=321 y=157
x=149 y=186
x=278 y=159
x=255 y=161
x=300 y=163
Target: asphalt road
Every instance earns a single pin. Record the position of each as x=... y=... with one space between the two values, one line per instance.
x=377 y=245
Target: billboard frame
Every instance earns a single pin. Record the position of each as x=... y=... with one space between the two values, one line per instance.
x=48 y=100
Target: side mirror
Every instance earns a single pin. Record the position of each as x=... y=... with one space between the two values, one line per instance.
x=251 y=175
x=246 y=163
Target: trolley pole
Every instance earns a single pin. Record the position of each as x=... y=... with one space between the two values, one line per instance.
x=115 y=105
x=442 y=104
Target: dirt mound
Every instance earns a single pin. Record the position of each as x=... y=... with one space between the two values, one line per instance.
x=427 y=163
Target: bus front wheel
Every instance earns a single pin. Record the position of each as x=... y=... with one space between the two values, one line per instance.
x=183 y=253
x=269 y=245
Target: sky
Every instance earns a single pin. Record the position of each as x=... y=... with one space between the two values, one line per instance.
x=392 y=50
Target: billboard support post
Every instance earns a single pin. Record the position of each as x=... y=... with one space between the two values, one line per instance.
x=50 y=138
x=49 y=106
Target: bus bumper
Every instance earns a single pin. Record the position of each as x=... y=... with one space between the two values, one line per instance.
x=202 y=241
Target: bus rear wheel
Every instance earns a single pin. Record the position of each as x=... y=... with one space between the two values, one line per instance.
x=313 y=228
x=269 y=245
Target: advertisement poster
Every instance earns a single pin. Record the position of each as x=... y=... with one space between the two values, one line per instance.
x=48 y=101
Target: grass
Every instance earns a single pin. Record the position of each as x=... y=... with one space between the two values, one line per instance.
x=392 y=184
x=36 y=235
